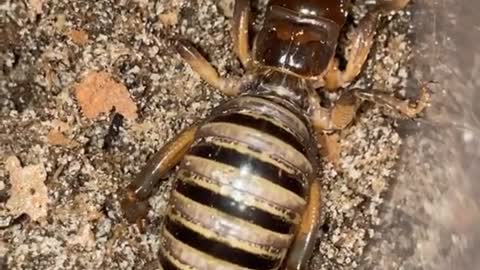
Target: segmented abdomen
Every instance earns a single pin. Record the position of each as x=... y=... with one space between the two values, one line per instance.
x=240 y=190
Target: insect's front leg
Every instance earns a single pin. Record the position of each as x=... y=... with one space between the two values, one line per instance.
x=134 y=204
x=360 y=44
x=240 y=25
x=304 y=241
x=200 y=65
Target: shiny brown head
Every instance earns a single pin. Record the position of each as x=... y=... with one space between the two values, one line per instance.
x=300 y=37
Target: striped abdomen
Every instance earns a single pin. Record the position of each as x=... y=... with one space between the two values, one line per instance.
x=240 y=191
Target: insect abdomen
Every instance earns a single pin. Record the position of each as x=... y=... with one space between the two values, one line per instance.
x=240 y=190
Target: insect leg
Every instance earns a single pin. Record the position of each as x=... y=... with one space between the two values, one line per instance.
x=361 y=43
x=206 y=71
x=406 y=108
x=333 y=77
x=302 y=246
x=330 y=146
x=329 y=122
x=134 y=203
x=241 y=23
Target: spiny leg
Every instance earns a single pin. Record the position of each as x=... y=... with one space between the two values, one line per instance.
x=134 y=204
x=329 y=122
x=406 y=108
x=240 y=25
x=341 y=114
x=360 y=44
x=205 y=70
x=362 y=41
x=302 y=246
x=344 y=110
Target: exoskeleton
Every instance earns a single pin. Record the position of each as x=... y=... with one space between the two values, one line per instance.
x=247 y=193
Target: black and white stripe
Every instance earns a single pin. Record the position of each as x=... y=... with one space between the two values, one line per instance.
x=240 y=191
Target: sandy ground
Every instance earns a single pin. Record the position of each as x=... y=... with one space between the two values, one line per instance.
x=76 y=155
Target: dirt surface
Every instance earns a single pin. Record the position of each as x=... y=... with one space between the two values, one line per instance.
x=49 y=48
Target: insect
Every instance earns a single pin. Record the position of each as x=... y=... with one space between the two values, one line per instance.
x=247 y=194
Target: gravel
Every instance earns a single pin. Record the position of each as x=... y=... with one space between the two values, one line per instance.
x=43 y=56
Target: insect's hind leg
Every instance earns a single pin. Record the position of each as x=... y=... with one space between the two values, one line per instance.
x=205 y=70
x=134 y=204
x=303 y=244
x=360 y=44
x=240 y=25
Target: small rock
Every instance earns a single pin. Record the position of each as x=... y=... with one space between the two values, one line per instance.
x=78 y=37
x=169 y=18
x=58 y=134
x=29 y=194
x=99 y=93
x=3 y=248
x=84 y=237
x=56 y=137
x=36 y=6
x=226 y=7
